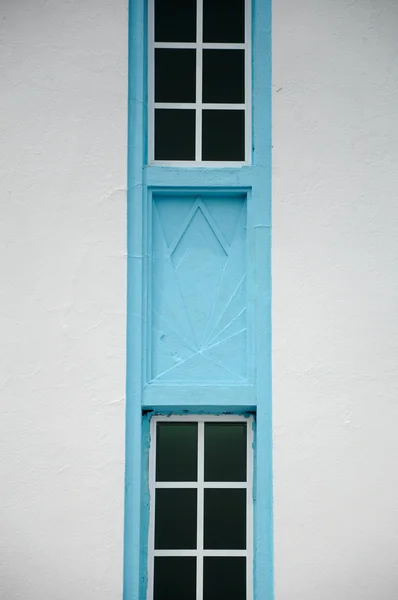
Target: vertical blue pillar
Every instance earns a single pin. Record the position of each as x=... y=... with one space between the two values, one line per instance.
x=199 y=297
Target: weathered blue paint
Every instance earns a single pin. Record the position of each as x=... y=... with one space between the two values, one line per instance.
x=198 y=326
x=243 y=411
x=133 y=548
x=146 y=186
x=262 y=153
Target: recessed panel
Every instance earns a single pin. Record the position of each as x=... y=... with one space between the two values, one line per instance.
x=224 y=21
x=225 y=451
x=174 y=578
x=176 y=452
x=223 y=135
x=175 y=20
x=174 y=134
x=224 y=76
x=224 y=578
x=198 y=285
x=175 y=519
x=175 y=75
x=225 y=519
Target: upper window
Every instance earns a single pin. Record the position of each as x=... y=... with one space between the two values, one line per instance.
x=200 y=534
x=199 y=82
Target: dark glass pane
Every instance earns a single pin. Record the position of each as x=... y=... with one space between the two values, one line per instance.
x=174 y=134
x=176 y=452
x=174 y=578
x=175 y=75
x=223 y=136
x=224 y=578
x=175 y=519
x=175 y=20
x=225 y=451
x=224 y=21
x=224 y=76
x=225 y=519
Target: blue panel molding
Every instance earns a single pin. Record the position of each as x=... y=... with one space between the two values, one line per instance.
x=198 y=289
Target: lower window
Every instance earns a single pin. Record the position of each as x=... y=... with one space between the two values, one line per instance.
x=201 y=511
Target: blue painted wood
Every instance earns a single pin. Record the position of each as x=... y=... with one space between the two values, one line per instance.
x=195 y=241
x=198 y=283
x=236 y=396
x=134 y=553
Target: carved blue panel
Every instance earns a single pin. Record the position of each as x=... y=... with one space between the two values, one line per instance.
x=198 y=285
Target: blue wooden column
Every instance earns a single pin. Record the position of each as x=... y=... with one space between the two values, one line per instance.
x=199 y=298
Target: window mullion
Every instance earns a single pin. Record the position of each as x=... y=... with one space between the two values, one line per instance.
x=249 y=508
x=199 y=79
x=176 y=45
x=151 y=530
x=151 y=81
x=248 y=83
x=199 y=560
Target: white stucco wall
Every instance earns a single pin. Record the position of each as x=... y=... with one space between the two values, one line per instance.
x=335 y=299
x=63 y=116
x=63 y=107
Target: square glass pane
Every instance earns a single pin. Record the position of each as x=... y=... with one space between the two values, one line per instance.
x=225 y=451
x=176 y=451
x=175 y=20
x=175 y=519
x=224 y=578
x=174 y=578
x=223 y=135
x=224 y=76
x=175 y=75
x=225 y=519
x=224 y=21
x=174 y=134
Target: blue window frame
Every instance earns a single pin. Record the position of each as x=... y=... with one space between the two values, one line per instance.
x=175 y=363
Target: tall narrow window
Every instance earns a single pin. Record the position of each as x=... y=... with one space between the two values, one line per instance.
x=199 y=82
x=200 y=535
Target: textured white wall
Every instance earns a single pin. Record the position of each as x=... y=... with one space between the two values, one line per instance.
x=335 y=299
x=63 y=83
x=63 y=105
